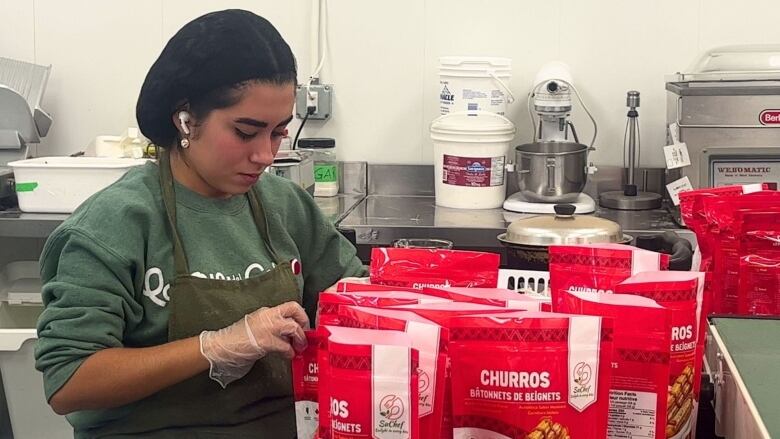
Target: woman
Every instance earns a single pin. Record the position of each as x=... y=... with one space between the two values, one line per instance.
x=175 y=298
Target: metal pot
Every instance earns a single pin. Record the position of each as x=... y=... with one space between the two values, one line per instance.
x=527 y=239
x=551 y=172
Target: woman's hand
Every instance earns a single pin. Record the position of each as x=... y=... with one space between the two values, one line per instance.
x=232 y=351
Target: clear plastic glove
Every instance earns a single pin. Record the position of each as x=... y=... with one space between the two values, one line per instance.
x=232 y=351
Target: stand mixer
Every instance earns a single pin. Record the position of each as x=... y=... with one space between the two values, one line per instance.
x=553 y=168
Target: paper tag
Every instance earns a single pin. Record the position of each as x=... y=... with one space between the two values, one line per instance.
x=677 y=186
x=674 y=132
x=677 y=156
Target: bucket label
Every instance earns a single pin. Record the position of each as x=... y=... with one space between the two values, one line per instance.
x=473 y=171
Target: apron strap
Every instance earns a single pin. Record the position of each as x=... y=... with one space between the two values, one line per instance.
x=169 y=200
x=262 y=224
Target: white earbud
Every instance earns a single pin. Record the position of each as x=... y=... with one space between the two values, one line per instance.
x=184 y=117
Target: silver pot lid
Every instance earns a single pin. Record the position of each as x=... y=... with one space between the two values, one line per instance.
x=562 y=228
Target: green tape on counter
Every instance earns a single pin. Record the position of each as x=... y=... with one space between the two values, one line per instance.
x=26 y=187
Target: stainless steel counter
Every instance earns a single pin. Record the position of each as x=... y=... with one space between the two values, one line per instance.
x=16 y=224
x=381 y=219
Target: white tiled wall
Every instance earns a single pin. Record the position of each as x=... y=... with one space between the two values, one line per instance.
x=383 y=59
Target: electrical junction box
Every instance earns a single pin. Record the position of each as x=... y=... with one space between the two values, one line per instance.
x=321 y=97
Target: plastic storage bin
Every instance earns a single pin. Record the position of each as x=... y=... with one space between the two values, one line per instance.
x=30 y=415
x=20 y=283
x=61 y=184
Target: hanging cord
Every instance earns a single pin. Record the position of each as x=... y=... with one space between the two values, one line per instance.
x=585 y=107
x=298 y=133
x=322 y=40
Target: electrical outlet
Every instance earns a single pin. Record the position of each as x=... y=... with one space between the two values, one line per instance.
x=321 y=98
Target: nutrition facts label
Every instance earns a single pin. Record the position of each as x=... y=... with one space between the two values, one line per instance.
x=631 y=415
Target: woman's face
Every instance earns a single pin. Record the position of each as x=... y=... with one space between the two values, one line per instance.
x=232 y=146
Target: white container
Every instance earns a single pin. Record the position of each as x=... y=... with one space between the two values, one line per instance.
x=474 y=83
x=470 y=152
x=61 y=184
x=31 y=416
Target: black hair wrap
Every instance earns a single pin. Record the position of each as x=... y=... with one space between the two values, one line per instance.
x=215 y=50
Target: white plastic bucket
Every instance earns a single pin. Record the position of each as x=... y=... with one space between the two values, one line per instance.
x=470 y=152
x=474 y=83
x=61 y=184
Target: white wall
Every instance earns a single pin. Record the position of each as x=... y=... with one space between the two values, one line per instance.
x=384 y=56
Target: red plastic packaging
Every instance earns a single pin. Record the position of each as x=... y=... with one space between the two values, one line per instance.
x=419 y=268
x=305 y=373
x=640 y=364
x=759 y=266
x=542 y=375
x=725 y=233
x=759 y=285
x=371 y=384
x=430 y=340
x=350 y=287
x=682 y=294
x=492 y=296
x=597 y=268
x=329 y=303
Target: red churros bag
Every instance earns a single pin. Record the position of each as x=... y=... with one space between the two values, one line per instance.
x=725 y=233
x=538 y=376
x=443 y=314
x=419 y=268
x=759 y=285
x=430 y=341
x=597 y=268
x=350 y=287
x=693 y=213
x=640 y=364
x=371 y=387
x=759 y=267
x=329 y=303
x=305 y=373
x=492 y=296
x=682 y=294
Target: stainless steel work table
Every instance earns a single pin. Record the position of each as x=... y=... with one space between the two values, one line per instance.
x=16 y=224
x=381 y=219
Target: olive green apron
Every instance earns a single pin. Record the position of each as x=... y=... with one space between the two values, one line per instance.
x=258 y=405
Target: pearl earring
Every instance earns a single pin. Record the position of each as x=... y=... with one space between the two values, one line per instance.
x=185 y=143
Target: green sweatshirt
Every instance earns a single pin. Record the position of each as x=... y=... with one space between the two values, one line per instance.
x=107 y=268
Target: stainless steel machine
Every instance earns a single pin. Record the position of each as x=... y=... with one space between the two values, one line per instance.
x=630 y=198
x=726 y=109
x=554 y=167
x=22 y=121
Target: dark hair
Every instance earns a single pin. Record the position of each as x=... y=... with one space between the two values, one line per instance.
x=206 y=65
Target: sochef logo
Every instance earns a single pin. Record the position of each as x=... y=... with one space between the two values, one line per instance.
x=446 y=95
x=582 y=388
x=582 y=374
x=391 y=408
x=769 y=117
x=425 y=380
